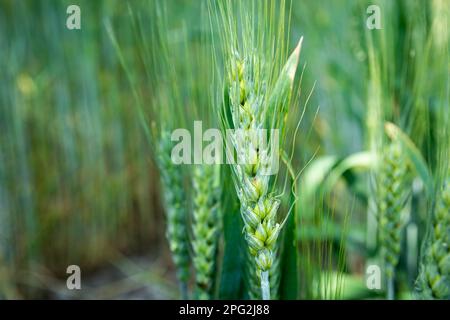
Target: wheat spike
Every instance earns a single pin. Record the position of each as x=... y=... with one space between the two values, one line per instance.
x=258 y=83
x=434 y=277
x=392 y=200
x=206 y=226
x=176 y=212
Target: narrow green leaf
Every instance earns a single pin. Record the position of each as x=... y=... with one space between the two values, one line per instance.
x=289 y=265
x=311 y=182
x=362 y=160
x=233 y=264
x=315 y=174
x=278 y=101
x=289 y=284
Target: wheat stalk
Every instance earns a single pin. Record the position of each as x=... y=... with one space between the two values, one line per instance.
x=434 y=277
x=206 y=226
x=391 y=195
x=254 y=282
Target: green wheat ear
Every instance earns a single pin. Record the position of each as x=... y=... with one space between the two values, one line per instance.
x=259 y=206
x=206 y=226
x=434 y=277
x=258 y=79
x=172 y=180
x=391 y=203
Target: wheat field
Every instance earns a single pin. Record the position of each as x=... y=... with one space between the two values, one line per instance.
x=220 y=149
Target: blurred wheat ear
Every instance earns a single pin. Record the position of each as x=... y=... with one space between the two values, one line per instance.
x=172 y=180
x=165 y=108
x=392 y=195
x=434 y=278
x=206 y=226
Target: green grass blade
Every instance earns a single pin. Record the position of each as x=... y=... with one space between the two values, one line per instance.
x=289 y=261
x=233 y=264
x=279 y=100
x=289 y=255
x=363 y=160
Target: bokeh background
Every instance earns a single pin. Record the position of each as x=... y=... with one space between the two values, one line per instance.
x=77 y=183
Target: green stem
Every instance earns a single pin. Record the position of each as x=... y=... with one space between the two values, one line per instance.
x=184 y=290
x=265 y=286
x=390 y=288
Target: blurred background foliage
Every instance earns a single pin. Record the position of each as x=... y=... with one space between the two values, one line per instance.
x=77 y=182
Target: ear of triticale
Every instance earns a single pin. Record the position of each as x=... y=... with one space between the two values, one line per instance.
x=434 y=277
x=176 y=210
x=206 y=226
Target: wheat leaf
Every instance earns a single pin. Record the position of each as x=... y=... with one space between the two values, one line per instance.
x=278 y=101
x=362 y=160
